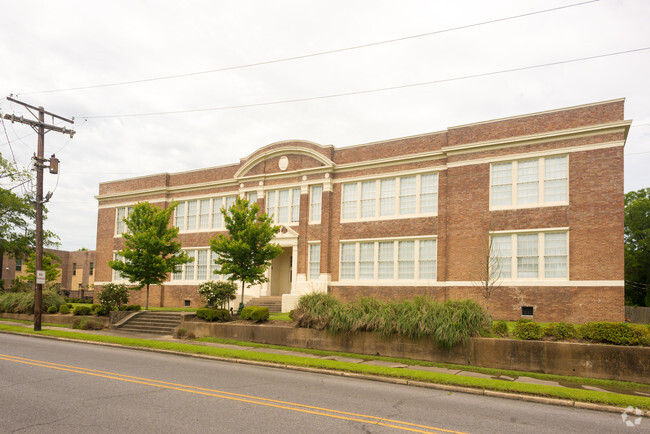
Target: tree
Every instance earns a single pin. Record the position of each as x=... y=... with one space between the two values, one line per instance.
x=51 y=264
x=637 y=247
x=488 y=276
x=150 y=251
x=246 y=251
x=113 y=295
x=218 y=293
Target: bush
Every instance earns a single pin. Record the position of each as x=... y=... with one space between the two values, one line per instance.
x=81 y=310
x=528 y=330
x=183 y=333
x=218 y=293
x=20 y=285
x=291 y=313
x=560 y=331
x=114 y=295
x=23 y=302
x=314 y=310
x=52 y=309
x=70 y=306
x=87 y=323
x=64 y=309
x=133 y=307
x=94 y=307
x=246 y=312
x=500 y=328
x=617 y=333
x=101 y=310
x=260 y=314
x=211 y=314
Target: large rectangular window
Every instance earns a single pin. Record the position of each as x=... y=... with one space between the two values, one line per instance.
x=530 y=255
x=117 y=276
x=390 y=197
x=314 y=261
x=201 y=269
x=202 y=214
x=315 y=203
x=529 y=183
x=283 y=205
x=120 y=214
x=389 y=260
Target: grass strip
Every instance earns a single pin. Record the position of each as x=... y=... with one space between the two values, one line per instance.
x=577 y=381
x=606 y=398
x=45 y=324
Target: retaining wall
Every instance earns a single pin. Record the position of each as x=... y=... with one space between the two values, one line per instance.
x=560 y=358
x=638 y=315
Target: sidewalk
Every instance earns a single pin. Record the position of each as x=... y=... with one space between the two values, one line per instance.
x=375 y=362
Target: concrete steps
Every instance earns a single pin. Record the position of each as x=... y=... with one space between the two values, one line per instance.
x=157 y=323
x=273 y=303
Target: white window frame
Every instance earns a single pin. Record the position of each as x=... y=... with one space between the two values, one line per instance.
x=120 y=226
x=315 y=203
x=541 y=254
x=291 y=206
x=116 y=275
x=190 y=272
x=213 y=206
x=396 y=242
x=361 y=203
x=541 y=183
x=313 y=261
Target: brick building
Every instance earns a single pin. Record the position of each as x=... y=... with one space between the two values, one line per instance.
x=77 y=270
x=539 y=197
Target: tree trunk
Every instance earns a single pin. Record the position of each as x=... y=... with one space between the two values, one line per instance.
x=146 y=307
x=242 y=292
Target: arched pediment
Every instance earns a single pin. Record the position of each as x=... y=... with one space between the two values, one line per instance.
x=284 y=156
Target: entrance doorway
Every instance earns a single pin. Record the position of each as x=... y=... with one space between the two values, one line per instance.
x=281 y=272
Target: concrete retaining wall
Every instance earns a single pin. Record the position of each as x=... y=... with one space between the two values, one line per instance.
x=560 y=358
x=54 y=318
x=638 y=315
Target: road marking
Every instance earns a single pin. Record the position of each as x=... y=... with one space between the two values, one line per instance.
x=303 y=408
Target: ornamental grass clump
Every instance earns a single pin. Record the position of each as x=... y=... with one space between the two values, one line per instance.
x=447 y=323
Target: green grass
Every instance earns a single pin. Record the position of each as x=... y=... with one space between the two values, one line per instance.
x=607 y=398
x=47 y=324
x=171 y=309
x=280 y=317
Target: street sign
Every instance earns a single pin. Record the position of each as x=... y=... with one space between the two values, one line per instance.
x=40 y=277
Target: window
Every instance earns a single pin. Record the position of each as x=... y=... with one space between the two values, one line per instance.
x=284 y=205
x=19 y=264
x=74 y=268
x=314 y=261
x=201 y=269
x=390 y=197
x=117 y=276
x=120 y=214
x=202 y=214
x=92 y=269
x=527 y=183
x=252 y=197
x=315 y=203
x=542 y=255
x=389 y=260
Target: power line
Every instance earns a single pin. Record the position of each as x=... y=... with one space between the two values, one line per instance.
x=360 y=92
x=304 y=56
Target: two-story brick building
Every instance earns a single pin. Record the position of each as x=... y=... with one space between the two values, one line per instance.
x=542 y=194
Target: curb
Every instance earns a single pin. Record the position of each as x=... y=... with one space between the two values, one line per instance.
x=445 y=387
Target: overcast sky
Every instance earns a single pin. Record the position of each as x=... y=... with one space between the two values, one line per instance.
x=56 y=45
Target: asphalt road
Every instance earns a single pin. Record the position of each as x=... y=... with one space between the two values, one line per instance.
x=49 y=386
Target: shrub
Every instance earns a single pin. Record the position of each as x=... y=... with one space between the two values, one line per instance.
x=246 y=312
x=218 y=293
x=122 y=307
x=528 y=330
x=23 y=302
x=260 y=314
x=70 y=306
x=133 y=307
x=314 y=310
x=615 y=333
x=101 y=310
x=500 y=328
x=114 y=295
x=94 y=307
x=20 y=285
x=52 y=309
x=87 y=323
x=291 y=313
x=183 y=333
x=560 y=331
x=64 y=309
x=211 y=314
x=81 y=310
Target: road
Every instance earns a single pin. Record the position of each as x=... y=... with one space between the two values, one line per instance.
x=55 y=387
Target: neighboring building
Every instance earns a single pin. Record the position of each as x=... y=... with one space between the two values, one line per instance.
x=417 y=215
x=77 y=271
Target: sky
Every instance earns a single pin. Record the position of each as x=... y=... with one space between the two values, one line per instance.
x=250 y=73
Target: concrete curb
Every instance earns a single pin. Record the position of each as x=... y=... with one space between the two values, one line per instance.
x=392 y=380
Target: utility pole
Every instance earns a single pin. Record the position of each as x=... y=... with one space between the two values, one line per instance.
x=40 y=126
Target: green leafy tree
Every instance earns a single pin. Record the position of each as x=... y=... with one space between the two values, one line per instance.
x=637 y=247
x=51 y=264
x=218 y=293
x=246 y=251
x=150 y=250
